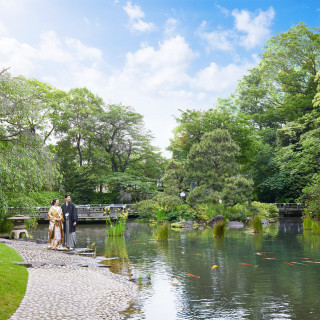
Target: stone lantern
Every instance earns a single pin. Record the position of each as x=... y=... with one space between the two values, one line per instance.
x=18 y=226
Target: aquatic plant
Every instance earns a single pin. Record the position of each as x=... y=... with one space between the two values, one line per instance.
x=162 y=232
x=257 y=224
x=116 y=226
x=219 y=229
x=316 y=226
x=307 y=222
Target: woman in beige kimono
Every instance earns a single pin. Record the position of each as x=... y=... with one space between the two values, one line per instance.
x=55 y=234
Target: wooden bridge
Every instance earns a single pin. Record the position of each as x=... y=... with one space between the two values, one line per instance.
x=94 y=212
x=97 y=212
x=290 y=209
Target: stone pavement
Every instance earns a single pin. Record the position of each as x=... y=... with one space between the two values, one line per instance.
x=69 y=291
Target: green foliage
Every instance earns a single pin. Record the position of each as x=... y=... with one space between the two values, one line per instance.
x=162 y=232
x=219 y=229
x=311 y=195
x=206 y=211
x=145 y=209
x=202 y=194
x=265 y=210
x=213 y=159
x=239 y=212
x=307 y=222
x=174 y=178
x=237 y=189
x=257 y=224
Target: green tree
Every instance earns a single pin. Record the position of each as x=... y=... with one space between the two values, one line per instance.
x=213 y=159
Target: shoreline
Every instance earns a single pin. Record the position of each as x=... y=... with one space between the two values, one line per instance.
x=62 y=289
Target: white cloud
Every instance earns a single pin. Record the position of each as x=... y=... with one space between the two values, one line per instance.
x=215 y=78
x=225 y=11
x=255 y=27
x=3 y=29
x=136 y=14
x=218 y=39
x=170 y=27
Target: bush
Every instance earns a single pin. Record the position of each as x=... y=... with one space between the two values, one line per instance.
x=239 y=212
x=145 y=209
x=166 y=201
x=205 y=212
x=265 y=210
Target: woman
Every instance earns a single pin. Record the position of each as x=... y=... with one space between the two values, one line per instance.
x=55 y=235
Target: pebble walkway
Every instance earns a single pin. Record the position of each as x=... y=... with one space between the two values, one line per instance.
x=69 y=292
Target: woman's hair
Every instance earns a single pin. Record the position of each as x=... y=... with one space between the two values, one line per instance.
x=54 y=201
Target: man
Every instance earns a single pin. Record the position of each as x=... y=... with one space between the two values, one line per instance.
x=70 y=221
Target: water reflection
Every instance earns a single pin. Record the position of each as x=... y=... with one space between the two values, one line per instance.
x=273 y=290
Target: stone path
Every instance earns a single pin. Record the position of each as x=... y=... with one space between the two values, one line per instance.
x=69 y=291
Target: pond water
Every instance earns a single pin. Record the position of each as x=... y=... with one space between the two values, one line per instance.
x=271 y=289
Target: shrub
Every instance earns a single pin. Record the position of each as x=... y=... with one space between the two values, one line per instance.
x=265 y=210
x=206 y=212
x=144 y=209
x=257 y=224
x=239 y=212
x=169 y=202
x=219 y=229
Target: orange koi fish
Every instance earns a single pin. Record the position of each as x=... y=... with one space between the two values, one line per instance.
x=290 y=264
x=214 y=266
x=250 y=265
x=272 y=259
x=192 y=275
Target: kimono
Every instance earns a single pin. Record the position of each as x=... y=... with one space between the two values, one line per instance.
x=55 y=232
x=70 y=216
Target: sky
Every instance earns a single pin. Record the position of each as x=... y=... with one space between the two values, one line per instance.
x=157 y=56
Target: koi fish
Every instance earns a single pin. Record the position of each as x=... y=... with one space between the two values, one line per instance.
x=192 y=275
x=181 y=247
x=272 y=259
x=174 y=281
x=299 y=263
x=250 y=265
x=290 y=264
x=198 y=254
x=267 y=252
x=214 y=266
x=313 y=261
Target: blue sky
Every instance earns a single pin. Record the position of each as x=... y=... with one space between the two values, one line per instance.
x=157 y=56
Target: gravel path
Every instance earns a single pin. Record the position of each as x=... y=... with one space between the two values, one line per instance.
x=69 y=292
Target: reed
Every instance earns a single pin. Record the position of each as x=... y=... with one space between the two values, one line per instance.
x=257 y=224
x=162 y=232
x=116 y=227
x=307 y=222
x=219 y=229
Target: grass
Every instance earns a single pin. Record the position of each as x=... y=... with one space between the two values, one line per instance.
x=316 y=226
x=257 y=224
x=162 y=232
x=307 y=222
x=219 y=229
x=13 y=281
x=116 y=228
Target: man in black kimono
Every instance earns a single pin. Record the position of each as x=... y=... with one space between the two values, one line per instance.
x=70 y=221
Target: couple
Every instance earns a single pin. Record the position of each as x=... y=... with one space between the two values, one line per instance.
x=62 y=224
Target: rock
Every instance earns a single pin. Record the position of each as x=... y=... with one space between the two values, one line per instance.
x=187 y=224
x=215 y=219
x=141 y=280
x=235 y=224
x=26 y=264
x=264 y=221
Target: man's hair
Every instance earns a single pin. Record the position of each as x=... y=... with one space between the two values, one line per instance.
x=67 y=195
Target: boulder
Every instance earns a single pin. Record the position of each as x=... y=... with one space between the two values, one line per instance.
x=235 y=224
x=215 y=219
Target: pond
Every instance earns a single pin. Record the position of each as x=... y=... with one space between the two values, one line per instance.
x=249 y=283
